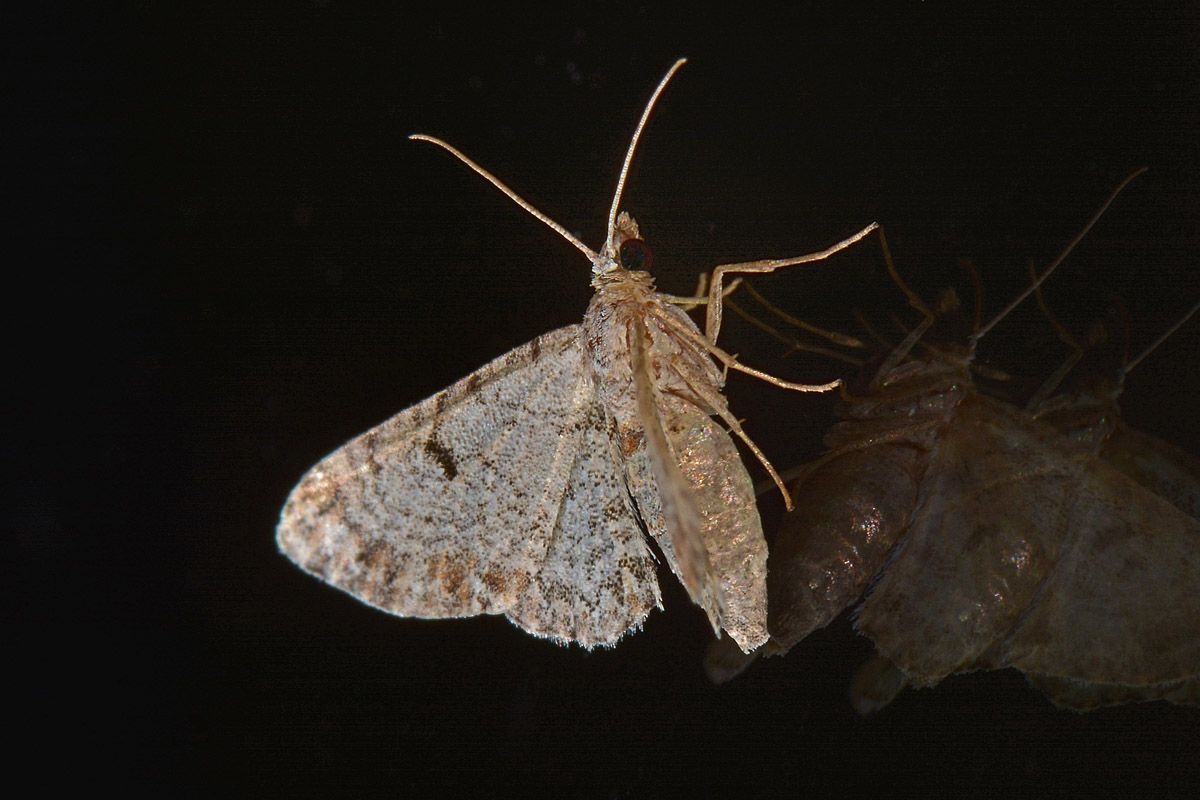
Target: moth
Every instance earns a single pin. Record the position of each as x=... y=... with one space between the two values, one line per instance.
x=524 y=489
x=984 y=538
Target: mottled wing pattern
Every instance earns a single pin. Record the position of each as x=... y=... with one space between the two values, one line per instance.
x=731 y=530
x=451 y=508
x=598 y=579
x=670 y=513
x=701 y=505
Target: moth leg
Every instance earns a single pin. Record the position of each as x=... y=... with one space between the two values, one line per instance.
x=730 y=361
x=1078 y=349
x=700 y=298
x=715 y=401
x=712 y=325
x=833 y=337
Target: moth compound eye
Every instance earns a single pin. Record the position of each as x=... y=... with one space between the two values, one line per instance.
x=635 y=255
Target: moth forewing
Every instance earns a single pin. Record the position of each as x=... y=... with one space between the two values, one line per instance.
x=715 y=482
x=671 y=514
x=462 y=505
x=598 y=578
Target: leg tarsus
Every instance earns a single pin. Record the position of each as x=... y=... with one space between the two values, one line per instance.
x=712 y=326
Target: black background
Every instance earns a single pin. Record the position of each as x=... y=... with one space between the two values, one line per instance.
x=230 y=260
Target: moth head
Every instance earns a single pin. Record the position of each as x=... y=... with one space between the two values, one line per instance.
x=625 y=250
x=632 y=251
x=621 y=227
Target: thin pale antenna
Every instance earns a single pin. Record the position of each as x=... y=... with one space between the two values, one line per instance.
x=1125 y=370
x=559 y=229
x=975 y=337
x=637 y=133
x=492 y=179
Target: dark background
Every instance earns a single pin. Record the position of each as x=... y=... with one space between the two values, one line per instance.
x=230 y=260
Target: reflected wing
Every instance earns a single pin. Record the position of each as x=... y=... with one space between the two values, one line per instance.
x=724 y=659
x=1085 y=696
x=1163 y=468
x=875 y=684
x=849 y=513
x=993 y=516
x=1032 y=553
x=1122 y=606
x=452 y=507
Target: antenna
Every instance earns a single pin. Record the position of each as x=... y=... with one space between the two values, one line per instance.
x=637 y=134
x=975 y=337
x=607 y=251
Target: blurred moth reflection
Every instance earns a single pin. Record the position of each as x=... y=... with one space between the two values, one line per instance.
x=975 y=535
